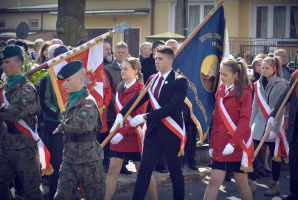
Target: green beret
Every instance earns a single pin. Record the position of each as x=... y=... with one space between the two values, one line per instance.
x=270 y=54
x=239 y=58
x=10 y=51
x=69 y=69
x=291 y=64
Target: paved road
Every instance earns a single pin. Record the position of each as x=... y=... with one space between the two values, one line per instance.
x=196 y=190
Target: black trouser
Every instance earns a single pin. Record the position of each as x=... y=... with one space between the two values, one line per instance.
x=293 y=163
x=55 y=148
x=190 y=146
x=276 y=166
x=154 y=146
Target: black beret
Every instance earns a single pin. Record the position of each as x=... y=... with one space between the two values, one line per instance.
x=271 y=55
x=10 y=51
x=69 y=69
x=60 y=50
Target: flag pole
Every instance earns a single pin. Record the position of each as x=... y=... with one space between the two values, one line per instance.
x=276 y=116
x=200 y=143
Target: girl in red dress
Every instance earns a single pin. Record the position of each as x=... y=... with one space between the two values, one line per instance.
x=236 y=97
x=127 y=142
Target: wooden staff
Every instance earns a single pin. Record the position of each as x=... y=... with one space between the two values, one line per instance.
x=202 y=138
x=128 y=113
x=276 y=116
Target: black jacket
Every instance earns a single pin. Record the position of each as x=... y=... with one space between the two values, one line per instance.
x=254 y=78
x=293 y=117
x=171 y=99
x=148 y=67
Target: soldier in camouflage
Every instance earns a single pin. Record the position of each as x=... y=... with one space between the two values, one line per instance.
x=83 y=155
x=19 y=151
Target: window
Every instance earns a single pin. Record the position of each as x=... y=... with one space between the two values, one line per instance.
x=277 y=20
x=2 y=24
x=34 y=24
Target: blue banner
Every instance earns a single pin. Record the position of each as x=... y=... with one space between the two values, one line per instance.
x=199 y=62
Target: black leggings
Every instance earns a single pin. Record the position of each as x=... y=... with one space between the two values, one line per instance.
x=276 y=166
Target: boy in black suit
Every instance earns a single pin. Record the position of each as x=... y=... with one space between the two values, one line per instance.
x=165 y=126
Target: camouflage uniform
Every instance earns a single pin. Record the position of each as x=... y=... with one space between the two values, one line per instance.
x=20 y=153
x=82 y=161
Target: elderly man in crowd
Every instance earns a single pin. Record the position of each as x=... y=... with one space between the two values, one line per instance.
x=107 y=54
x=36 y=46
x=172 y=43
x=57 y=41
x=286 y=72
x=145 y=50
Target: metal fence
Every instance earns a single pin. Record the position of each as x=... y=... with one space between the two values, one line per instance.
x=248 y=48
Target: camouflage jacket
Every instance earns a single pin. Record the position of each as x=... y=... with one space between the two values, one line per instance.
x=82 y=117
x=23 y=104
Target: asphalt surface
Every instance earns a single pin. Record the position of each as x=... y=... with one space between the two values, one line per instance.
x=195 y=190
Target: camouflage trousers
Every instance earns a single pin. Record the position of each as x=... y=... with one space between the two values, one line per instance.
x=24 y=162
x=90 y=175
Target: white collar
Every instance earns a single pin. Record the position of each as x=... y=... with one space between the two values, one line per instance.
x=130 y=84
x=165 y=76
x=229 y=88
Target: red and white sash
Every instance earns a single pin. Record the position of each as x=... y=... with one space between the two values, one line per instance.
x=248 y=147
x=140 y=130
x=281 y=144
x=168 y=121
x=44 y=154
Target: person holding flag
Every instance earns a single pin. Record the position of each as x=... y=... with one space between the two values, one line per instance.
x=128 y=141
x=165 y=127
x=267 y=90
x=231 y=145
x=83 y=155
x=21 y=144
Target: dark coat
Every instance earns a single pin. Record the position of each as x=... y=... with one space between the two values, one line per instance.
x=171 y=98
x=130 y=140
x=254 y=78
x=113 y=73
x=292 y=125
x=240 y=113
x=148 y=67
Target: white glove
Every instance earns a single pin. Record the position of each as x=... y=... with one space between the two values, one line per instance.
x=118 y=121
x=210 y=152
x=270 y=121
x=272 y=135
x=138 y=119
x=228 y=149
x=117 y=138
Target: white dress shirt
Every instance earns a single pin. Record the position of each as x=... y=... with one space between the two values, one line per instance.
x=162 y=83
x=229 y=89
x=130 y=84
x=119 y=65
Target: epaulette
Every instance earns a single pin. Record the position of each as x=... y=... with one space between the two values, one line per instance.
x=178 y=76
x=3 y=85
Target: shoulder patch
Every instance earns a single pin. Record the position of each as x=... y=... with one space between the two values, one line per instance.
x=27 y=90
x=87 y=106
x=84 y=113
x=24 y=100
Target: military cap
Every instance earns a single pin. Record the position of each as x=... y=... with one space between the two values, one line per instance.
x=239 y=58
x=69 y=69
x=291 y=64
x=10 y=51
x=60 y=50
x=271 y=55
x=2 y=43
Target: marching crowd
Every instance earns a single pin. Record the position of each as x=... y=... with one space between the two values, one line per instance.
x=245 y=107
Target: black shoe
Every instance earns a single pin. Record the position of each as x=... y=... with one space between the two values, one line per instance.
x=20 y=192
x=258 y=175
x=268 y=171
x=193 y=166
x=264 y=174
x=161 y=169
x=228 y=176
x=124 y=170
x=291 y=196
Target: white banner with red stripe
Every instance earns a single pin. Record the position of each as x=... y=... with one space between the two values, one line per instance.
x=248 y=148
x=140 y=130
x=281 y=144
x=168 y=121
x=44 y=154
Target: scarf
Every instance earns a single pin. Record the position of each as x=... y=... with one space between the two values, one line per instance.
x=72 y=97
x=11 y=80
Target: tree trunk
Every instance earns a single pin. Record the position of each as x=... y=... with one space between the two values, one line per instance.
x=180 y=17
x=70 y=23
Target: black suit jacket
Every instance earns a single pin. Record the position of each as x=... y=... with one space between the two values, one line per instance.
x=171 y=99
x=292 y=125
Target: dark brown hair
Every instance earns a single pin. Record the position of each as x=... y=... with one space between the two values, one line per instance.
x=43 y=47
x=275 y=63
x=242 y=80
x=135 y=65
x=168 y=51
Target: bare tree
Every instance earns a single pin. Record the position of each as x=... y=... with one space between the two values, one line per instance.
x=70 y=23
x=181 y=17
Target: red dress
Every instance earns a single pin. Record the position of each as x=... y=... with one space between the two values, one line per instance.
x=240 y=113
x=130 y=141
x=106 y=100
